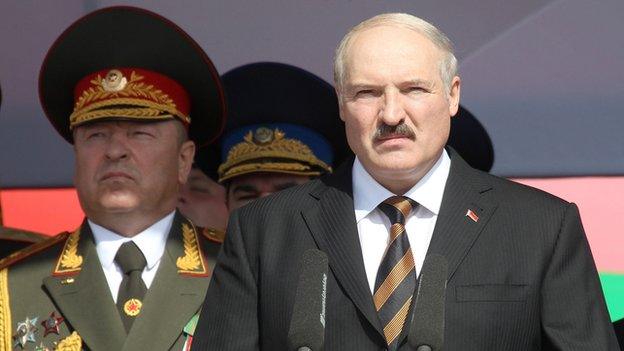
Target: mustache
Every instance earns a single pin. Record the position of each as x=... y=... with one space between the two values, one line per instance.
x=400 y=130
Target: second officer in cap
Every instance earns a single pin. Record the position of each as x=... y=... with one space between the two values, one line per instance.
x=134 y=95
x=283 y=129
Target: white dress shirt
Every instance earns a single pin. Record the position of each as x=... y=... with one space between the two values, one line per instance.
x=373 y=226
x=151 y=242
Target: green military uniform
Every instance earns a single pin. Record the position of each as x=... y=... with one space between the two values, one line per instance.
x=117 y=63
x=63 y=284
x=12 y=240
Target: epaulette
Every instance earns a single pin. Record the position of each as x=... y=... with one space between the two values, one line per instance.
x=213 y=234
x=20 y=235
x=32 y=249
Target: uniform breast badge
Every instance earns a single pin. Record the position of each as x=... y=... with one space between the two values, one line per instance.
x=25 y=332
x=52 y=324
x=132 y=307
x=70 y=343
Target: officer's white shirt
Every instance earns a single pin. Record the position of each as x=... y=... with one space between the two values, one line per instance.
x=373 y=226
x=151 y=242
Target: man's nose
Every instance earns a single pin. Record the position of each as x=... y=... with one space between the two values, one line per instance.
x=392 y=112
x=117 y=147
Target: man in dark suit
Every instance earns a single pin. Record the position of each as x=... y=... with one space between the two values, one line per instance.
x=133 y=94
x=520 y=272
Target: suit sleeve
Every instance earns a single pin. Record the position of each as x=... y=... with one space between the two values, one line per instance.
x=574 y=314
x=229 y=319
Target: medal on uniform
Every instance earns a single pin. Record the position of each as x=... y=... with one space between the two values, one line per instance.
x=52 y=324
x=132 y=307
x=25 y=332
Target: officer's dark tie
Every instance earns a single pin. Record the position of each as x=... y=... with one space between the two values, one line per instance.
x=132 y=289
x=396 y=277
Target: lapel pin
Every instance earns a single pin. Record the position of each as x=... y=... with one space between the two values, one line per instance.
x=470 y=214
x=67 y=281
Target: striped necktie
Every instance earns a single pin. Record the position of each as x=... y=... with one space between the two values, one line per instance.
x=396 y=277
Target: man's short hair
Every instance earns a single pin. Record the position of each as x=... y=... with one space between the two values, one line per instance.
x=448 y=65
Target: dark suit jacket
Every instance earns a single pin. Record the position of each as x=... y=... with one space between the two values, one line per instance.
x=520 y=278
x=619 y=331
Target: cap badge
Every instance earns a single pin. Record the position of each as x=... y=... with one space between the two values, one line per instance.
x=114 y=81
x=263 y=136
x=267 y=150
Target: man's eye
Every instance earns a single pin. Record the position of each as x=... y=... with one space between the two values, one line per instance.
x=365 y=93
x=95 y=135
x=416 y=89
x=142 y=133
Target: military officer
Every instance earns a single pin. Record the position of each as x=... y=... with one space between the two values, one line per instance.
x=283 y=129
x=134 y=94
x=11 y=239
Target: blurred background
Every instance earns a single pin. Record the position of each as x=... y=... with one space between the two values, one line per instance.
x=544 y=77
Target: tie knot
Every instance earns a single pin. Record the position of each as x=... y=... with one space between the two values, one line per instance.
x=397 y=208
x=130 y=258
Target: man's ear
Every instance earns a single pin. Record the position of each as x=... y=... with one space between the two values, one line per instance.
x=454 y=94
x=185 y=160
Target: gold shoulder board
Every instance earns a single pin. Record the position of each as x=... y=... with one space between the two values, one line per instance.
x=32 y=249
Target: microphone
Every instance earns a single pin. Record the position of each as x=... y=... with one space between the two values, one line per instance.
x=307 y=323
x=427 y=329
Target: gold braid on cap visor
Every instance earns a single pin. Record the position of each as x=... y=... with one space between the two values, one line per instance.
x=269 y=151
x=116 y=96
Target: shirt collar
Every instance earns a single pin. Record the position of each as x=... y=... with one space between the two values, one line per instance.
x=428 y=192
x=151 y=241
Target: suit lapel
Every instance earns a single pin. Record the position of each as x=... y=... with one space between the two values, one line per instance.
x=465 y=211
x=455 y=230
x=331 y=220
x=85 y=302
x=171 y=300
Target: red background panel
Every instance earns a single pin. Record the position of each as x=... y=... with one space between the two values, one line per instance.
x=48 y=211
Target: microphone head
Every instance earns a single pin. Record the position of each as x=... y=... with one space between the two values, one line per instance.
x=427 y=329
x=307 y=324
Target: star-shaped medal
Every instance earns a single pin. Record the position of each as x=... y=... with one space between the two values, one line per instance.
x=52 y=324
x=25 y=332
